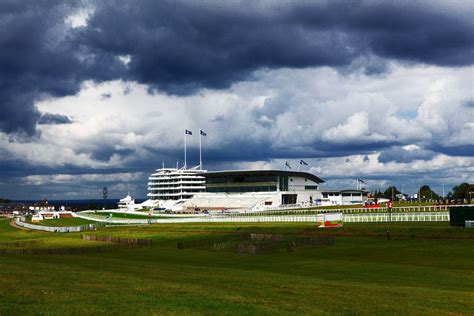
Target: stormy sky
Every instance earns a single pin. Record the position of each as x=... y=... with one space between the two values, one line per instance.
x=98 y=93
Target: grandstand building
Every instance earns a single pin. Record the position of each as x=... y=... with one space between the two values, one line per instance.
x=175 y=184
x=251 y=189
x=169 y=186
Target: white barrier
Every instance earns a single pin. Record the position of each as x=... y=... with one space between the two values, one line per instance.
x=153 y=213
x=397 y=217
x=308 y=210
x=349 y=218
x=112 y=220
x=67 y=229
x=469 y=224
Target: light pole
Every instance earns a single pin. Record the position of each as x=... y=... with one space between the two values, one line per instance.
x=105 y=194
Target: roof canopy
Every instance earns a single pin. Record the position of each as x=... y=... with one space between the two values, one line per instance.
x=241 y=173
x=345 y=191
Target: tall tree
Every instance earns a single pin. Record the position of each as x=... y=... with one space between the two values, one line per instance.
x=426 y=192
x=376 y=193
x=461 y=191
x=391 y=192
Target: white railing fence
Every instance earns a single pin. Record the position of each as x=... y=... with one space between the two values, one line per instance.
x=397 y=217
x=400 y=209
x=350 y=218
x=67 y=229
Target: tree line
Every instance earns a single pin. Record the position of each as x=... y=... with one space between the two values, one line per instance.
x=464 y=191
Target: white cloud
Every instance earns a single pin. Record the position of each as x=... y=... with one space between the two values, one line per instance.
x=411 y=147
x=356 y=127
x=79 y=17
x=315 y=112
x=81 y=178
x=125 y=59
x=284 y=107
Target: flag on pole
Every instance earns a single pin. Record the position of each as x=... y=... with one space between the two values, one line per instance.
x=202 y=133
x=188 y=132
x=287 y=164
x=361 y=181
x=302 y=162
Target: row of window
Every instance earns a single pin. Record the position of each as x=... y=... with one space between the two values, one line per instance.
x=175 y=191
x=325 y=195
x=171 y=197
x=241 y=179
x=242 y=189
x=177 y=181
x=176 y=186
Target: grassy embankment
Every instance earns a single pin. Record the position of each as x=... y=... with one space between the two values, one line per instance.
x=420 y=270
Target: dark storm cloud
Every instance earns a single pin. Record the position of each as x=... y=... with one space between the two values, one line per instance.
x=454 y=150
x=400 y=155
x=244 y=149
x=49 y=118
x=182 y=47
x=469 y=103
x=32 y=61
x=39 y=59
x=104 y=153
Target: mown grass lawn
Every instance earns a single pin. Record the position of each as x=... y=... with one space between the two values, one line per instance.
x=125 y=215
x=63 y=222
x=424 y=269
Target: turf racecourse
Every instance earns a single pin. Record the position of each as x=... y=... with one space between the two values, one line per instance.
x=424 y=269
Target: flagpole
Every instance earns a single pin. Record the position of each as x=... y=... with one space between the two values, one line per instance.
x=184 y=149
x=200 y=155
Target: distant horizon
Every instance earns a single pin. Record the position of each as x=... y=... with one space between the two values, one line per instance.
x=438 y=191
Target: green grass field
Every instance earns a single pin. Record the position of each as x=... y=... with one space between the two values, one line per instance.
x=127 y=216
x=424 y=269
x=62 y=222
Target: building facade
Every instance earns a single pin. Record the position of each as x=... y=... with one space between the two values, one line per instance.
x=196 y=189
x=343 y=197
x=175 y=184
x=285 y=187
